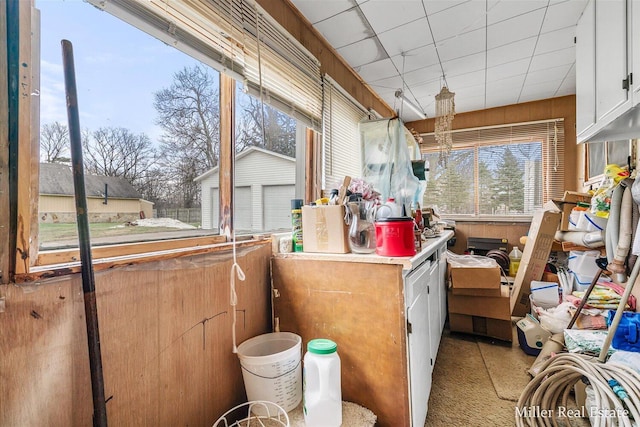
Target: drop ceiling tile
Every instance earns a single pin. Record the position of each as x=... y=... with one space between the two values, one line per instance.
x=464 y=65
x=363 y=52
x=462 y=45
x=388 y=85
x=470 y=104
x=426 y=92
x=406 y=38
x=386 y=15
x=352 y=28
x=422 y=76
x=499 y=10
x=377 y=70
x=510 y=69
x=514 y=29
x=532 y=92
x=435 y=6
x=563 y=14
x=462 y=81
x=556 y=40
x=316 y=11
x=511 y=84
x=505 y=97
x=456 y=20
x=421 y=57
x=555 y=74
x=552 y=59
x=515 y=51
x=468 y=92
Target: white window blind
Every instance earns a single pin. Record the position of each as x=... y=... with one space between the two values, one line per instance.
x=497 y=171
x=223 y=34
x=341 y=136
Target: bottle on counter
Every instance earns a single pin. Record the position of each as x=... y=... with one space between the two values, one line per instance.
x=322 y=392
x=296 y=224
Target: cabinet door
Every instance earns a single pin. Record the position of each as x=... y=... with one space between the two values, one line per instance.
x=419 y=358
x=635 y=48
x=586 y=71
x=611 y=59
x=433 y=291
x=442 y=284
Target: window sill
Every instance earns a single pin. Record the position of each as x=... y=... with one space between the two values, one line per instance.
x=64 y=262
x=490 y=219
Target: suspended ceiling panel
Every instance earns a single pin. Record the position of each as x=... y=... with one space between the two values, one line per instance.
x=489 y=52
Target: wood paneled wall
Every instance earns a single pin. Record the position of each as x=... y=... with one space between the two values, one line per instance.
x=165 y=330
x=512 y=231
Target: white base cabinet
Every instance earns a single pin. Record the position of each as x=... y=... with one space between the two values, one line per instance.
x=385 y=314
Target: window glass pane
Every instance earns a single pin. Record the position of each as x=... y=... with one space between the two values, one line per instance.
x=451 y=189
x=510 y=178
x=265 y=166
x=150 y=120
x=618 y=152
x=597 y=163
x=504 y=179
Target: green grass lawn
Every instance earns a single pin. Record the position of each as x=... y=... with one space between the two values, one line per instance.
x=49 y=232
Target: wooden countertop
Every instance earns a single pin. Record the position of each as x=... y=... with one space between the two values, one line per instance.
x=408 y=263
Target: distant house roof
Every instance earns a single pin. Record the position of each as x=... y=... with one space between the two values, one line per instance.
x=245 y=153
x=57 y=179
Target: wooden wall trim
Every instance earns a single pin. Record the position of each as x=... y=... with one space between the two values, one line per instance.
x=6 y=251
x=226 y=161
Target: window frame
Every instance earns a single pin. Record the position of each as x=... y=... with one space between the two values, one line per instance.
x=502 y=139
x=595 y=179
x=25 y=261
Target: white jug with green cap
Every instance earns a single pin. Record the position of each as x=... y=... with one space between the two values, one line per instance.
x=322 y=392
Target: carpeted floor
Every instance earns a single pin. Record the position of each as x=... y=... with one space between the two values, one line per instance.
x=462 y=390
x=477 y=382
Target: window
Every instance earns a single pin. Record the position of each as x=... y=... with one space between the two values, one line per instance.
x=507 y=171
x=177 y=149
x=600 y=154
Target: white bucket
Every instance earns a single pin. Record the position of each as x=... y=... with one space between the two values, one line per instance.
x=271 y=369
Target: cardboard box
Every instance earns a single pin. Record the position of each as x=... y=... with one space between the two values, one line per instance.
x=477 y=292
x=544 y=225
x=491 y=307
x=474 y=277
x=324 y=229
x=567 y=203
x=495 y=328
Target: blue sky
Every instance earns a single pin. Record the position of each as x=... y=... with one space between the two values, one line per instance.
x=118 y=67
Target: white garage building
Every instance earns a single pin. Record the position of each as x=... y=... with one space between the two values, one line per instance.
x=264 y=187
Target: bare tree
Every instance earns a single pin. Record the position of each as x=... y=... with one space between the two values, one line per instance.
x=189 y=115
x=279 y=129
x=54 y=143
x=113 y=151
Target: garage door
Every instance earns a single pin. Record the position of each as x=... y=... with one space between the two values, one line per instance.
x=277 y=206
x=242 y=218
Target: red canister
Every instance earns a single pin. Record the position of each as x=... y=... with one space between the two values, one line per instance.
x=394 y=236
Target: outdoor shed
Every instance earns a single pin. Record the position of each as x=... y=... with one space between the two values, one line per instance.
x=264 y=187
x=109 y=198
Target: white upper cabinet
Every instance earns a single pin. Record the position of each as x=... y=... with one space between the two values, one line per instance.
x=607 y=36
x=586 y=70
x=635 y=49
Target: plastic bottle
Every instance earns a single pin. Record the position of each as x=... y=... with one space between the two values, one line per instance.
x=296 y=224
x=514 y=261
x=322 y=388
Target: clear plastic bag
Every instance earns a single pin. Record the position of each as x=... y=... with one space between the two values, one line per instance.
x=388 y=148
x=473 y=261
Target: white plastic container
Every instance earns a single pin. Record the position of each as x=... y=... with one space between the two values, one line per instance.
x=322 y=387
x=271 y=369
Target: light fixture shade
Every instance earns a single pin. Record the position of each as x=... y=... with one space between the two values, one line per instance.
x=445 y=111
x=406 y=101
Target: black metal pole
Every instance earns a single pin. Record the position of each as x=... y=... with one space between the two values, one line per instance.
x=88 y=280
